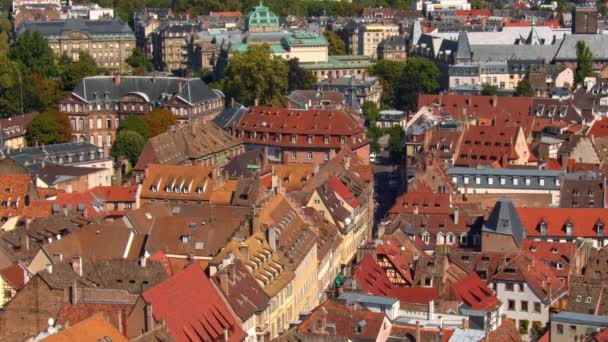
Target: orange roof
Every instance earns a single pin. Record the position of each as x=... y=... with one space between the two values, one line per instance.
x=426 y=203
x=115 y=193
x=583 y=220
x=599 y=128
x=226 y=14
x=474 y=13
x=472 y=291
x=552 y=253
x=13 y=192
x=339 y=188
x=177 y=182
x=96 y=328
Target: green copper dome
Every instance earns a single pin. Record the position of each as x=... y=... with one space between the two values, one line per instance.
x=262 y=16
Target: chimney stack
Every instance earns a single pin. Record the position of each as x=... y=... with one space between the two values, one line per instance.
x=149 y=322
x=418 y=331
x=223 y=278
x=465 y=324
x=494 y=100
x=456 y=215
x=74 y=291
x=256 y=102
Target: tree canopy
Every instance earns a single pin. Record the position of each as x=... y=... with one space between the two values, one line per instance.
x=524 y=88
x=489 y=89
x=337 y=46
x=139 y=62
x=9 y=87
x=135 y=124
x=73 y=72
x=158 y=121
x=388 y=72
x=298 y=78
x=49 y=127
x=370 y=111
x=256 y=74
x=419 y=76
x=584 y=62
x=32 y=53
x=128 y=144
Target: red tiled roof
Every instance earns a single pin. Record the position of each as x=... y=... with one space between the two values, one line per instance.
x=339 y=188
x=599 y=128
x=602 y=336
x=427 y=202
x=43 y=208
x=474 y=13
x=281 y=124
x=226 y=14
x=475 y=293
x=552 y=253
x=506 y=332
x=74 y=313
x=583 y=220
x=553 y=164
x=483 y=145
x=191 y=307
x=345 y=321
x=475 y=106
x=15 y=275
x=13 y=190
x=115 y=193
x=417 y=295
x=549 y=23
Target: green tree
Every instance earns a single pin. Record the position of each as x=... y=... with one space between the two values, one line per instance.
x=396 y=142
x=489 y=89
x=419 y=76
x=370 y=112
x=135 y=124
x=298 y=78
x=128 y=144
x=40 y=93
x=73 y=72
x=256 y=75
x=337 y=46
x=4 y=43
x=388 y=72
x=158 y=121
x=49 y=127
x=584 y=62
x=524 y=88
x=139 y=61
x=33 y=54
x=9 y=87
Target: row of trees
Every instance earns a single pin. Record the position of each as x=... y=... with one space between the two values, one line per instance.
x=126 y=8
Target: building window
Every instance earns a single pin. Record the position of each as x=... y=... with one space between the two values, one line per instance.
x=294 y=155
x=569 y=229
x=520 y=287
x=100 y=140
x=515 y=181
x=342 y=140
x=511 y=305
x=524 y=305
x=293 y=139
x=326 y=156
x=541 y=182
x=543 y=228
x=466 y=180
x=477 y=180
x=309 y=139
x=326 y=139
x=490 y=180
x=309 y=155
x=560 y=329
x=509 y=287
x=108 y=122
x=503 y=180
x=537 y=307
x=109 y=140
x=527 y=181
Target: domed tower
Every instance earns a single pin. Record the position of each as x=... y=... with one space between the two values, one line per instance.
x=261 y=19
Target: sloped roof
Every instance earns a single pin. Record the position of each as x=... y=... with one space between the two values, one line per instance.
x=476 y=294
x=583 y=220
x=96 y=328
x=88 y=27
x=191 y=307
x=153 y=88
x=504 y=219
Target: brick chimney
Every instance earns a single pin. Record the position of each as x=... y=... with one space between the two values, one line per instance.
x=77 y=265
x=223 y=278
x=244 y=250
x=494 y=100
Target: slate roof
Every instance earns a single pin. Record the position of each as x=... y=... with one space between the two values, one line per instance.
x=597 y=42
x=53 y=174
x=191 y=308
x=504 y=219
x=56 y=28
x=230 y=116
x=463 y=52
x=152 y=88
x=35 y=154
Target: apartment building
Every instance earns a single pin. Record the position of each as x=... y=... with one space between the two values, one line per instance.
x=170 y=45
x=97 y=104
x=366 y=38
x=109 y=42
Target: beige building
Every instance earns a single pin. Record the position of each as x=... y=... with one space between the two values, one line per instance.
x=365 y=38
x=170 y=45
x=109 y=42
x=478 y=74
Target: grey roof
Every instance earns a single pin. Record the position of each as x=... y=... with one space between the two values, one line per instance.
x=598 y=43
x=580 y=318
x=503 y=172
x=230 y=116
x=500 y=52
x=352 y=101
x=367 y=299
x=504 y=220
x=464 y=48
x=53 y=174
x=394 y=43
x=153 y=89
x=36 y=154
x=90 y=27
x=467 y=335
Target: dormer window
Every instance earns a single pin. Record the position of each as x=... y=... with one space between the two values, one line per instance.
x=600 y=229
x=543 y=228
x=168 y=188
x=569 y=228
x=185 y=238
x=309 y=139
x=154 y=188
x=200 y=190
x=326 y=139
x=293 y=139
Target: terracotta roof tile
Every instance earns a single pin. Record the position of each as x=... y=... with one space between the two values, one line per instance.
x=190 y=305
x=476 y=294
x=170 y=181
x=556 y=255
x=95 y=328
x=13 y=192
x=583 y=221
x=115 y=193
x=14 y=275
x=423 y=202
x=339 y=188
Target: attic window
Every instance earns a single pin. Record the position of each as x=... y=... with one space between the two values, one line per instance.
x=569 y=228
x=154 y=188
x=543 y=228
x=185 y=238
x=554 y=250
x=533 y=248
x=600 y=229
x=588 y=300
